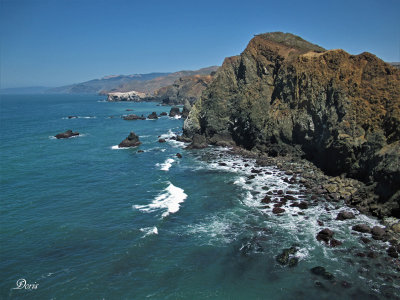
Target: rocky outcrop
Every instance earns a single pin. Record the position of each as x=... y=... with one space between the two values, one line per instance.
x=187 y=88
x=66 y=135
x=174 y=112
x=131 y=141
x=128 y=96
x=285 y=95
x=152 y=116
x=133 y=117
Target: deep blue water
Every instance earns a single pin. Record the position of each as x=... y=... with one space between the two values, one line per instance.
x=84 y=220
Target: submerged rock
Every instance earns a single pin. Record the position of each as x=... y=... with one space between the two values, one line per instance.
x=178 y=155
x=131 y=141
x=320 y=271
x=66 y=135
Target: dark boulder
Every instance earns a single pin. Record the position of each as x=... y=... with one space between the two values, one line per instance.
x=345 y=215
x=362 y=228
x=174 y=112
x=378 y=232
x=66 y=135
x=335 y=243
x=161 y=140
x=392 y=252
x=163 y=114
x=152 y=116
x=178 y=155
x=72 y=117
x=131 y=141
x=278 y=210
x=198 y=142
x=303 y=205
x=325 y=235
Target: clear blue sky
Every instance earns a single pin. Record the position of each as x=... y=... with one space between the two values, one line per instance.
x=56 y=42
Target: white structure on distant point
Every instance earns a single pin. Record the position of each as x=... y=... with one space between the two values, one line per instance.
x=127 y=96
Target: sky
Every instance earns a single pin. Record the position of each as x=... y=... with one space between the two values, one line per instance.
x=59 y=42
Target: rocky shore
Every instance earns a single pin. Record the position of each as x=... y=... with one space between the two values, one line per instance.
x=285 y=96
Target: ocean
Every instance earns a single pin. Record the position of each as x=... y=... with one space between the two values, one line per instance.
x=82 y=219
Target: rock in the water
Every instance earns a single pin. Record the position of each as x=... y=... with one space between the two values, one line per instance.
x=392 y=252
x=72 y=117
x=152 y=116
x=377 y=232
x=161 y=140
x=335 y=243
x=163 y=114
x=303 y=205
x=174 y=112
x=325 y=235
x=293 y=262
x=345 y=215
x=320 y=271
x=134 y=117
x=178 y=155
x=198 y=142
x=131 y=141
x=66 y=135
x=362 y=228
x=278 y=210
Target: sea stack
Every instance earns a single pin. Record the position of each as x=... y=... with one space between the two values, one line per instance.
x=131 y=141
x=66 y=135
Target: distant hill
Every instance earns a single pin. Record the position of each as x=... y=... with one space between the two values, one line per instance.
x=395 y=64
x=145 y=83
x=153 y=85
x=104 y=84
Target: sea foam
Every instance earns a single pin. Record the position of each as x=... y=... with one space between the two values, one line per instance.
x=169 y=199
x=166 y=165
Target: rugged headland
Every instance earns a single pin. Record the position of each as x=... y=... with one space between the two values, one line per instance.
x=286 y=96
x=188 y=88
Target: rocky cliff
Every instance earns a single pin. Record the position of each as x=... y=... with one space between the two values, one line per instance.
x=128 y=96
x=285 y=95
x=188 y=88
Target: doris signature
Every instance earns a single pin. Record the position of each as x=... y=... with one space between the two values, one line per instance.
x=23 y=285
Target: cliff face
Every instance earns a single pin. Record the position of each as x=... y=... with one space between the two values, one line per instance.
x=283 y=94
x=128 y=96
x=188 y=88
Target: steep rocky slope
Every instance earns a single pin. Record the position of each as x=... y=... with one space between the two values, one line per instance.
x=188 y=88
x=283 y=94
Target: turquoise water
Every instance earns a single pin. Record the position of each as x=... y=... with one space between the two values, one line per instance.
x=84 y=220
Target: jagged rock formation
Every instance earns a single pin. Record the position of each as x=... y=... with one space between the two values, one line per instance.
x=184 y=89
x=131 y=141
x=128 y=96
x=284 y=94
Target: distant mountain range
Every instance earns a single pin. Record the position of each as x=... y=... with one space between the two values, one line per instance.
x=146 y=83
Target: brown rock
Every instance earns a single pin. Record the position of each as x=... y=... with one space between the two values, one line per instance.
x=278 y=210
